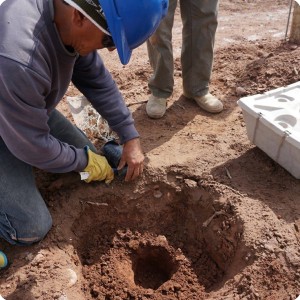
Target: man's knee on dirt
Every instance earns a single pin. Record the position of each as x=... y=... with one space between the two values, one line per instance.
x=26 y=231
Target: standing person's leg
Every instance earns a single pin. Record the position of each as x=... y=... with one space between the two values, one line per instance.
x=160 y=52
x=199 y=19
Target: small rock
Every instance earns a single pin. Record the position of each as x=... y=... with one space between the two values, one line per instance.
x=296 y=71
x=39 y=258
x=149 y=292
x=178 y=189
x=134 y=245
x=180 y=178
x=240 y=91
x=293 y=47
x=190 y=183
x=162 y=240
x=72 y=277
x=29 y=257
x=157 y=194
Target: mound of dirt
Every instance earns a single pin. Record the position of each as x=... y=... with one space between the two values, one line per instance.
x=212 y=217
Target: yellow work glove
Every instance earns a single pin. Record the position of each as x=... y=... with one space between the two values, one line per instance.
x=98 y=168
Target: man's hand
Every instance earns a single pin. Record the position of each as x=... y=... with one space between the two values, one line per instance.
x=134 y=158
x=98 y=168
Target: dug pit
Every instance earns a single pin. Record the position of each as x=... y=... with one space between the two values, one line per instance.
x=164 y=243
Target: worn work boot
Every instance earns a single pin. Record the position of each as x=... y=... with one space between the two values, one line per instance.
x=156 y=107
x=208 y=103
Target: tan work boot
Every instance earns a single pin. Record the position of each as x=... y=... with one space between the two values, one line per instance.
x=156 y=107
x=208 y=103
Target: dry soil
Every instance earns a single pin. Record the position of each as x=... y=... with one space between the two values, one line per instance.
x=212 y=217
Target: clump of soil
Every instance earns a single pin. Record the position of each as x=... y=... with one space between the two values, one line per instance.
x=212 y=217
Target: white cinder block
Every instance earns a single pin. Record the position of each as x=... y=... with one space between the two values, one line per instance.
x=273 y=124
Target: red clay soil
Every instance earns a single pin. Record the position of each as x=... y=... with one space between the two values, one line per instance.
x=212 y=217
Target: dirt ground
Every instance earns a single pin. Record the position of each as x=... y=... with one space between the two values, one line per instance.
x=212 y=217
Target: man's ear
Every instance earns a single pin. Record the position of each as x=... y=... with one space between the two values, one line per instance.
x=78 y=18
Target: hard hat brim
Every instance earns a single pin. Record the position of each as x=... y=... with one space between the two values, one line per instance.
x=116 y=29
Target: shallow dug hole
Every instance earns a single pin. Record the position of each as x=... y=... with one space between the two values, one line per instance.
x=167 y=242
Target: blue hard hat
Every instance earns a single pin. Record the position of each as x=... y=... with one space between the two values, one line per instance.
x=132 y=22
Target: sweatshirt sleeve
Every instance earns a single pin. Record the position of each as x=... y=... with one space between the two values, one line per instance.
x=24 y=121
x=94 y=81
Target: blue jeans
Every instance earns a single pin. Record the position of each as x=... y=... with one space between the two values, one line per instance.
x=24 y=216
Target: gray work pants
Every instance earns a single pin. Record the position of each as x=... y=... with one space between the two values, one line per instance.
x=24 y=216
x=199 y=18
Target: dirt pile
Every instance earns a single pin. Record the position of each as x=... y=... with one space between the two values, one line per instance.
x=212 y=217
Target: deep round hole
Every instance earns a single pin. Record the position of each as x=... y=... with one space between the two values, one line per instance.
x=144 y=248
x=153 y=266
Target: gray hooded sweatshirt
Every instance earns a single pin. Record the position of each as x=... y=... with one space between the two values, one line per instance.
x=35 y=72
